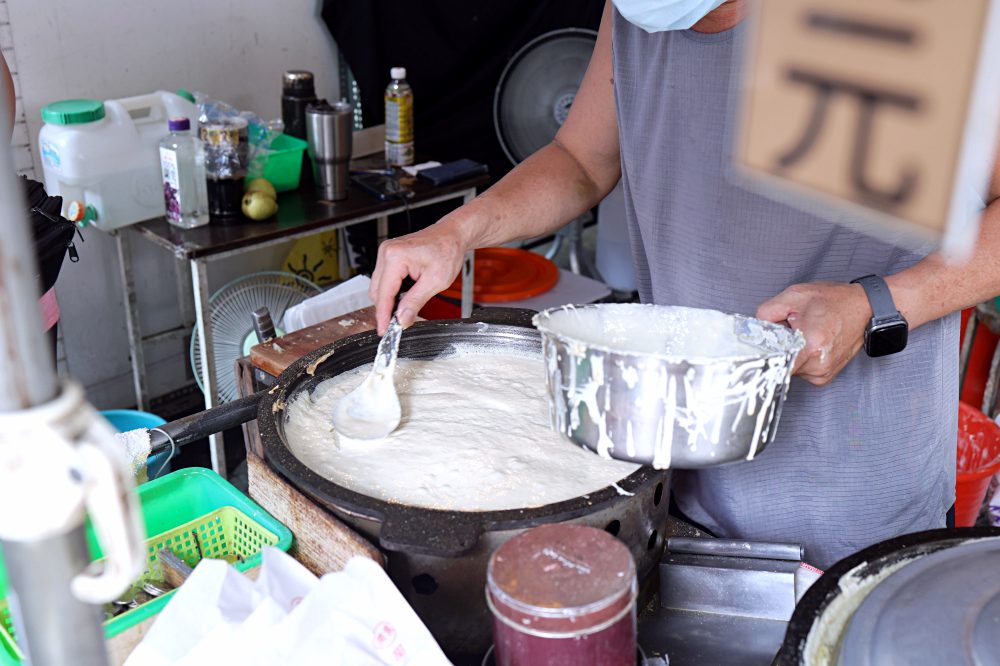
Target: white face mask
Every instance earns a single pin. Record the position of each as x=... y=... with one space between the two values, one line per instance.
x=662 y=15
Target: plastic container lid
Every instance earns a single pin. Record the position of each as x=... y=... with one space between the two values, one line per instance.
x=398 y=72
x=73 y=111
x=507 y=274
x=181 y=92
x=179 y=124
x=561 y=578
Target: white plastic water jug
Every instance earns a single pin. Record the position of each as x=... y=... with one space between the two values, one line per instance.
x=103 y=159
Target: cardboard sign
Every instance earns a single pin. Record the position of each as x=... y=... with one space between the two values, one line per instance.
x=889 y=108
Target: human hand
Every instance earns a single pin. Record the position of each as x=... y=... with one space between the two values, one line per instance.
x=432 y=257
x=831 y=315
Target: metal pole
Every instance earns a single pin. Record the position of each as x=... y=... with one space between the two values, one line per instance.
x=59 y=628
x=132 y=322
x=27 y=369
x=203 y=308
x=468 y=270
x=52 y=623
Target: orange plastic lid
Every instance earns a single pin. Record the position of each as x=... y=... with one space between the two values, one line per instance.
x=507 y=274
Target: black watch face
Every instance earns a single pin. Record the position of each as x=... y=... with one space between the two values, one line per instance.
x=887 y=339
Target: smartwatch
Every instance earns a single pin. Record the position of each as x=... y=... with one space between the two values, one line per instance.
x=887 y=331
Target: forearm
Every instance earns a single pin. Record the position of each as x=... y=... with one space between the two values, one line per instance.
x=539 y=196
x=934 y=287
x=7 y=91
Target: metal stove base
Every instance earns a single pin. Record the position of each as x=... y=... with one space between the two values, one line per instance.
x=721 y=601
x=698 y=638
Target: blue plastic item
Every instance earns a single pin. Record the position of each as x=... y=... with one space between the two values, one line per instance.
x=124 y=420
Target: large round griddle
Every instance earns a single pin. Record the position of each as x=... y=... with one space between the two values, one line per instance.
x=935 y=600
x=403 y=527
x=943 y=608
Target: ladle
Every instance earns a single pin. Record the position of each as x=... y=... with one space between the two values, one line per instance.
x=372 y=411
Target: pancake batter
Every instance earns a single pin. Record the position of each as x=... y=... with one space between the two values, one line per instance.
x=474 y=436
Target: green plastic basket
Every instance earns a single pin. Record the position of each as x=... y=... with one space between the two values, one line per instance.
x=9 y=654
x=195 y=513
x=284 y=163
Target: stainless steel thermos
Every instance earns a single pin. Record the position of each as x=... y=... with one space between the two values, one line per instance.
x=328 y=132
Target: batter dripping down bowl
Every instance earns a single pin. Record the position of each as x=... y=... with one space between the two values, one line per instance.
x=671 y=387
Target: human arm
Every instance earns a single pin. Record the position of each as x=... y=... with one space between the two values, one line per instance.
x=833 y=316
x=543 y=193
x=7 y=90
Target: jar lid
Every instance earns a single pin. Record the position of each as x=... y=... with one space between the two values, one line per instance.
x=397 y=73
x=561 y=577
x=298 y=80
x=73 y=111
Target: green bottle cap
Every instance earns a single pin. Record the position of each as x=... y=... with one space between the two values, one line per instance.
x=73 y=111
x=181 y=92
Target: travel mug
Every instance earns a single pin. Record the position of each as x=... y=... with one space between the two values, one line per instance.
x=329 y=132
x=297 y=93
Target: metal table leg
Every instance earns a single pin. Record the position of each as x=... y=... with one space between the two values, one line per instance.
x=468 y=269
x=132 y=323
x=203 y=314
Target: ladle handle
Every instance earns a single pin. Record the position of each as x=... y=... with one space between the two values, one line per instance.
x=389 y=345
x=198 y=426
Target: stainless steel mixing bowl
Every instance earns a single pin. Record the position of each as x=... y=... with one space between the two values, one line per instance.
x=666 y=386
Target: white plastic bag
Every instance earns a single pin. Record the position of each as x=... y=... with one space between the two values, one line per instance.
x=355 y=617
x=345 y=297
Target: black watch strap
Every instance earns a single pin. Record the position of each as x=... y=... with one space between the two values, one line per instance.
x=879 y=297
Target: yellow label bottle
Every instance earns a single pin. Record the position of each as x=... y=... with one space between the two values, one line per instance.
x=398 y=120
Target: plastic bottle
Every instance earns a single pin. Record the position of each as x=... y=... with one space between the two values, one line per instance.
x=182 y=162
x=398 y=119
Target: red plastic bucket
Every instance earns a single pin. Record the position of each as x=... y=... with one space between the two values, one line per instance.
x=978 y=461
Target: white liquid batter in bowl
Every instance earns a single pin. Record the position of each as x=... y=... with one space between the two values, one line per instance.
x=474 y=436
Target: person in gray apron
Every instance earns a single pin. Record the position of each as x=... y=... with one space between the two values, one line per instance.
x=866 y=446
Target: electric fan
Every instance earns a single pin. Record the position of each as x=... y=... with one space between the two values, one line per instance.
x=531 y=102
x=233 y=335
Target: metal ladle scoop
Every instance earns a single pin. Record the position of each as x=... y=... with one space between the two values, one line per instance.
x=372 y=411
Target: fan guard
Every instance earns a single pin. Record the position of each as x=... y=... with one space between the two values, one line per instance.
x=232 y=326
x=537 y=88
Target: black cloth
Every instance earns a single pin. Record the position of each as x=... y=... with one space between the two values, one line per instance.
x=454 y=52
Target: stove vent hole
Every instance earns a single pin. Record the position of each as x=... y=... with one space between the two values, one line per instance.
x=424 y=584
x=651 y=544
x=613 y=527
x=658 y=494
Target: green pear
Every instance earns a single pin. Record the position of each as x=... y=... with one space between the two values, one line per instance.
x=259 y=205
x=262 y=185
